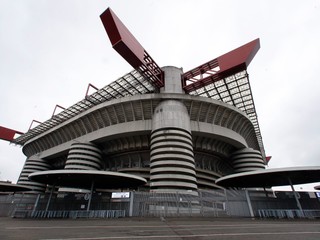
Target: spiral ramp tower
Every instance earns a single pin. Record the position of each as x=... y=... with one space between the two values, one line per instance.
x=84 y=156
x=172 y=161
x=247 y=159
x=172 y=165
x=33 y=164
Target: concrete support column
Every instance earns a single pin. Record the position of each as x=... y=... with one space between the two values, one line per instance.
x=249 y=203
x=131 y=204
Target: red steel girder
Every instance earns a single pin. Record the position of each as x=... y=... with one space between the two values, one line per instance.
x=220 y=67
x=8 y=134
x=268 y=158
x=130 y=49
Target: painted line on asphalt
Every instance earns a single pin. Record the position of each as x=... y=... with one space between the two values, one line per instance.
x=134 y=226
x=187 y=236
x=157 y=226
x=203 y=228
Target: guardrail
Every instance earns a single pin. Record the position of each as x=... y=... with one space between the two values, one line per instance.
x=288 y=213
x=70 y=214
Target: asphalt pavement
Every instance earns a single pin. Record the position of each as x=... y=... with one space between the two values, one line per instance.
x=159 y=228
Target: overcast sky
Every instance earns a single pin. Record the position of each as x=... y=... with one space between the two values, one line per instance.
x=51 y=50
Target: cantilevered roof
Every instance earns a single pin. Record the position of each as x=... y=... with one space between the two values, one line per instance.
x=10 y=187
x=84 y=178
x=271 y=177
x=130 y=84
x=236 y=91
x=223 y=78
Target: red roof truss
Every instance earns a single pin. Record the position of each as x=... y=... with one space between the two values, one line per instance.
x=220 y=67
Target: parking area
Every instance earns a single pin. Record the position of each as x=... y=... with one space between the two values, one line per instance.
x=159 y=228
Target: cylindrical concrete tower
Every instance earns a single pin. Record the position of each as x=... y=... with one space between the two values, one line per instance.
x=84 y=156
x=172 y=165
x=247 y=159
x=33 y=164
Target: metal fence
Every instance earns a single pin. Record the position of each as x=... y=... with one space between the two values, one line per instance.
x=288 y=213
x=6 y=205
x=198 y=203
x=218 y=203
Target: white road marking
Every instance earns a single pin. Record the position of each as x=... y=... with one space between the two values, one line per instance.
x=187 y=236
x=155 y=226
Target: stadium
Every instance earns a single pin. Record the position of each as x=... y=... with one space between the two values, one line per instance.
x=174 y=140
x=154 y=130
x=177 y=130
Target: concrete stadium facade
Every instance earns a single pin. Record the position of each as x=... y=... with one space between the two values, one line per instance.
x=176 y=141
